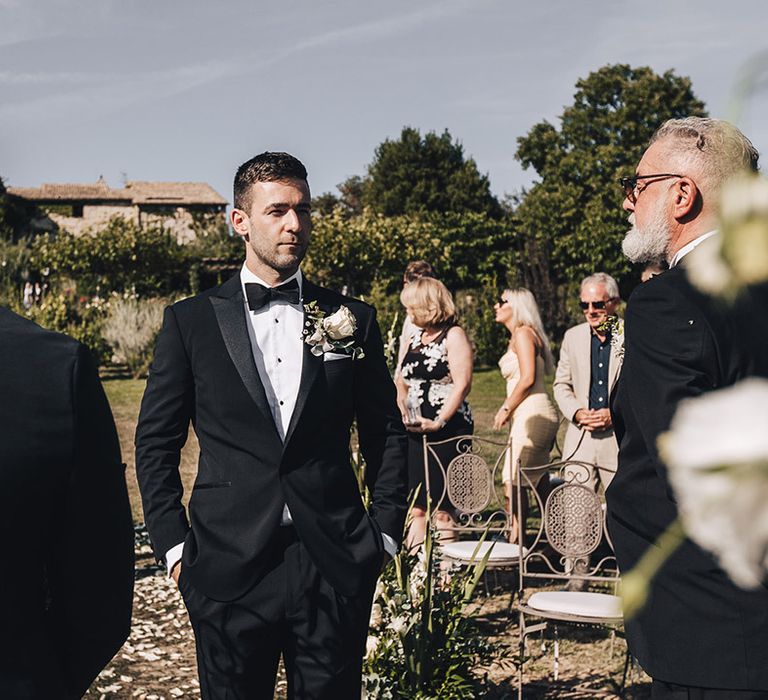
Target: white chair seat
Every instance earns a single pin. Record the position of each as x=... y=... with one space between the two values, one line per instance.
x=581 y=603
x=502 y=552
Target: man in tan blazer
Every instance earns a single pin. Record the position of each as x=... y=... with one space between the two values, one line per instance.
x=590 y=361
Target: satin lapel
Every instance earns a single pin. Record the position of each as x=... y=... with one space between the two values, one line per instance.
x=230 y=314
x=311 y=364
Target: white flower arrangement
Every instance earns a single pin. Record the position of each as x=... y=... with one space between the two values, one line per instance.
x=717 y=454
x=332 y=333
x=739 y=255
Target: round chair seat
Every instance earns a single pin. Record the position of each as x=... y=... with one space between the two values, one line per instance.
x=603 y=606
x=502 y=552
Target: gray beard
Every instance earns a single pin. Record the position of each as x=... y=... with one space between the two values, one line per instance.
x=650 y=244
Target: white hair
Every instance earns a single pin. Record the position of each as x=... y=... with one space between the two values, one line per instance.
x=710 y=150
x=611 y=286
x=525 y=312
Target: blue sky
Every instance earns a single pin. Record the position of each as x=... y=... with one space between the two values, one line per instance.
x=188 y=89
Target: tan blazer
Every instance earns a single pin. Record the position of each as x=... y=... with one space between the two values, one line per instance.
x=571 y=389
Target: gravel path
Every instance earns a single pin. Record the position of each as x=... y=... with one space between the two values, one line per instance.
x=158 y=660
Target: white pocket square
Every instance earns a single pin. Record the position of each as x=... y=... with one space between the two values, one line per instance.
x=330 y=356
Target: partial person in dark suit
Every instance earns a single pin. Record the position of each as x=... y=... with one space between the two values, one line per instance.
x=279 y=554
x=699 y=635
x=67 y=579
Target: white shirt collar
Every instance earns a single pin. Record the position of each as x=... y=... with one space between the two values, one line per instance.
x=247 y=276
x=688 y=247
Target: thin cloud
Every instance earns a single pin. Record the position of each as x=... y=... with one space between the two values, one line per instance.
x=113 y=92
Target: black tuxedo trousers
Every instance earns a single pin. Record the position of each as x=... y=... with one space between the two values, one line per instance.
x=292 y=611
x=697 y=627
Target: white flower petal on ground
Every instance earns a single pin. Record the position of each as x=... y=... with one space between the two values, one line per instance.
x=717 y=454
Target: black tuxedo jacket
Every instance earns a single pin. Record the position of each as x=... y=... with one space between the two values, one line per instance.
x=67 y=575
x=203 y=371
x=697 y=628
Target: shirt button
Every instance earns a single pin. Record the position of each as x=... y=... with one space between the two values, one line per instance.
x=599 y=381
x=600 y=399
x=279 y=360
x=282 y=402
x=276 y=321
x=600 y=364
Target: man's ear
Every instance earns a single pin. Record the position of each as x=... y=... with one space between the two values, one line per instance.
x=240 y=223
x=687 y=199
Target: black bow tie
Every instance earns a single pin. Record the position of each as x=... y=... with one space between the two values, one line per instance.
x=259 y=295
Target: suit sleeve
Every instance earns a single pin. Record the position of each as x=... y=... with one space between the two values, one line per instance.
x=669 y=356
x=91 y=570
x=166 y=411
x=383 y=441
x=562 y=387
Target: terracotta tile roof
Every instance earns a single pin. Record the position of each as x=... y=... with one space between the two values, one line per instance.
x=172 y=193
x=135 y=192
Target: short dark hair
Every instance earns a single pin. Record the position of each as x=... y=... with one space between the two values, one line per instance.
x=265 y=167
x=416 y=269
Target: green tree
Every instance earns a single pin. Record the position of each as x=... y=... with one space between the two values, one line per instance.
x=418 y=174
x=571 y=221
x=13 y=215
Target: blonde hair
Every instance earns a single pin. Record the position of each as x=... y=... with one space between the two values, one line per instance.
x=430 y=302
x=525 y=312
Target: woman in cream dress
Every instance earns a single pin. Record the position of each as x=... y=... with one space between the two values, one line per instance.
x=527 y=408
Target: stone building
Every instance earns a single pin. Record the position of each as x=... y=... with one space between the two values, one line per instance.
x=180 y=207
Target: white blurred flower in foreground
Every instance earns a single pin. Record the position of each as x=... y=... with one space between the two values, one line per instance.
x=739 y=256
x=717 y=454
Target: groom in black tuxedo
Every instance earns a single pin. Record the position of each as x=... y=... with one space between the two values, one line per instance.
x=279 y=554
x=698 y=635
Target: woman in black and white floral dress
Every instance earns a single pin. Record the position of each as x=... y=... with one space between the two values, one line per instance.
x=436 y=374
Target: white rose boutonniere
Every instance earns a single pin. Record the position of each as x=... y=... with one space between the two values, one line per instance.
x=331 y=333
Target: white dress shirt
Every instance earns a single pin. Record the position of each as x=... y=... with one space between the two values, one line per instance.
x=688 y=247
x=275 y=331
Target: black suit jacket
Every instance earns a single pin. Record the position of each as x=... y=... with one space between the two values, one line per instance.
x=697 y=628
x=67 y=576
x=203 y=371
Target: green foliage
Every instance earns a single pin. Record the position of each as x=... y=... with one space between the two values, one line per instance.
x=477 y=317
x=79 y=318
x=424 y=642
x=360 y=253
x=417 y=174
x=13 y=215
x=121 y=257
x=571 y=220
x=14 y=265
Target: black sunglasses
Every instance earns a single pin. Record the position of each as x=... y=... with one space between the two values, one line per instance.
x=629 y=184
x=584 y=305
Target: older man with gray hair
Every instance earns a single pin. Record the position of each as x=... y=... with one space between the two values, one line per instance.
x=698 y=634
x=589 y=364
